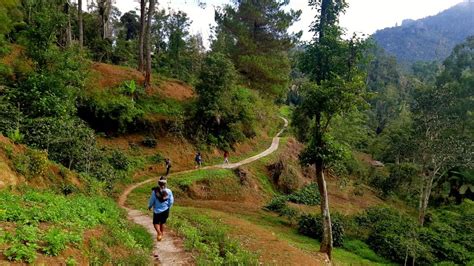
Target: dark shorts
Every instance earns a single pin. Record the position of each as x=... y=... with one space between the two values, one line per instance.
x=160 y=218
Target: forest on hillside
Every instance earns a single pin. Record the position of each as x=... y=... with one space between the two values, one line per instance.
x=431 y=38
x=93 y=101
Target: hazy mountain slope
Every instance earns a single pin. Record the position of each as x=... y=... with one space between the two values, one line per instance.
x=430 y=38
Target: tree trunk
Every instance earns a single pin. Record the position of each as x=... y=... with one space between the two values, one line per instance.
x=151 y=9
x=326 y=242
x=324 y=20
x=81 y=26
x=425 y=193
x=67 y=9
x=141 y=36
x=105 y=6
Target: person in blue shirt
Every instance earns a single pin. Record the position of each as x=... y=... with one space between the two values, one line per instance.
x=161 y=200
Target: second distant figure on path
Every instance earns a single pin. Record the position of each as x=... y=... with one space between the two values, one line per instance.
x=168 y=166
x=226 y=157
x=198 y=160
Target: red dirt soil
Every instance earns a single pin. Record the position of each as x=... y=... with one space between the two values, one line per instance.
x=53 y=175
x=179 y=150
x=111 y=76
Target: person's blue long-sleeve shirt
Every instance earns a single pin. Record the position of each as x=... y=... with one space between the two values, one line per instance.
x=159 y=207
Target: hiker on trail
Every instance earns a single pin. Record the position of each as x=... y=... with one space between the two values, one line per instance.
x=161 y=200
x=198 y=160
x=168 y=166
x=226 y=157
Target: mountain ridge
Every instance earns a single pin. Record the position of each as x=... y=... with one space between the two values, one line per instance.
x=430 y=38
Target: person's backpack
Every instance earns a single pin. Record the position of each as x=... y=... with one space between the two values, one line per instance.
x=161 y=194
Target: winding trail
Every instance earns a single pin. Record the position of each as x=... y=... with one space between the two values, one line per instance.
x=170 y=250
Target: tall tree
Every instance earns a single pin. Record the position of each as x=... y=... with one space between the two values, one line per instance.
x=151 y=9
x=80 y=23
x=257 y=40
x=444 y=122
x=141 y=37
x=67 y=9
x=104 y=8
x=159 y=32
x=336 y=86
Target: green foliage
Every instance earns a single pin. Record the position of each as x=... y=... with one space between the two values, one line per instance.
x=16 y=136
x=308 y=195
x=149 y=142
x=258 y=50
x=312 y=225
x=210 y=239
x=37 y=162
x=224 y=114
x=428 y=39
x=70 y=261
x=391 y=234
x=277 y=203
x=157 y=158
x=24 y=244
x=130 y=88
x=109 y=112
x=31 y=163
x=184 y=181
x=66 y=219
x=181 y=56
x=21 y=252
x=56 y=241
x=444 y=238
x=363 y=250
x=119 y=160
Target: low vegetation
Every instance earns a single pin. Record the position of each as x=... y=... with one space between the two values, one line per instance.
x=208 y=238
x=41 y=223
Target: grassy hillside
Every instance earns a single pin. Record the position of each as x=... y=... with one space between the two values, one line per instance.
x=42 y=227
x=23 y=166
x=235 y=202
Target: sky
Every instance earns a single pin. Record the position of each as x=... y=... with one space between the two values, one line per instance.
x=362 y=16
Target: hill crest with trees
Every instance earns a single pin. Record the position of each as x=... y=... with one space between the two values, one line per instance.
x=431 y=38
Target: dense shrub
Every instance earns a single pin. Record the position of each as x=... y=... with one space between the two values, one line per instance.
x=149 y=142
x=109 y=112
x=224 y=113
x=400 y=180
x=38 y=162
x=277 y=203
x=73 y=144
x=312 y=226
x=10 y=117
x=308 y=195
x=448 y=237
x=119 y=160
x=390 y=232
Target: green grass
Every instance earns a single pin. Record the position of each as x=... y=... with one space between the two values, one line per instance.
x=342 y=256
x=286 y=111
x=156 y=105
x=63 y=222
x=208 y=238
x=363 y=250
x=187 y=179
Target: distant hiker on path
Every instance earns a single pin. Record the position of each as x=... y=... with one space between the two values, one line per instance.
x=226 y=157
x=161 y=200
x=198 y=160
x=168 y=166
